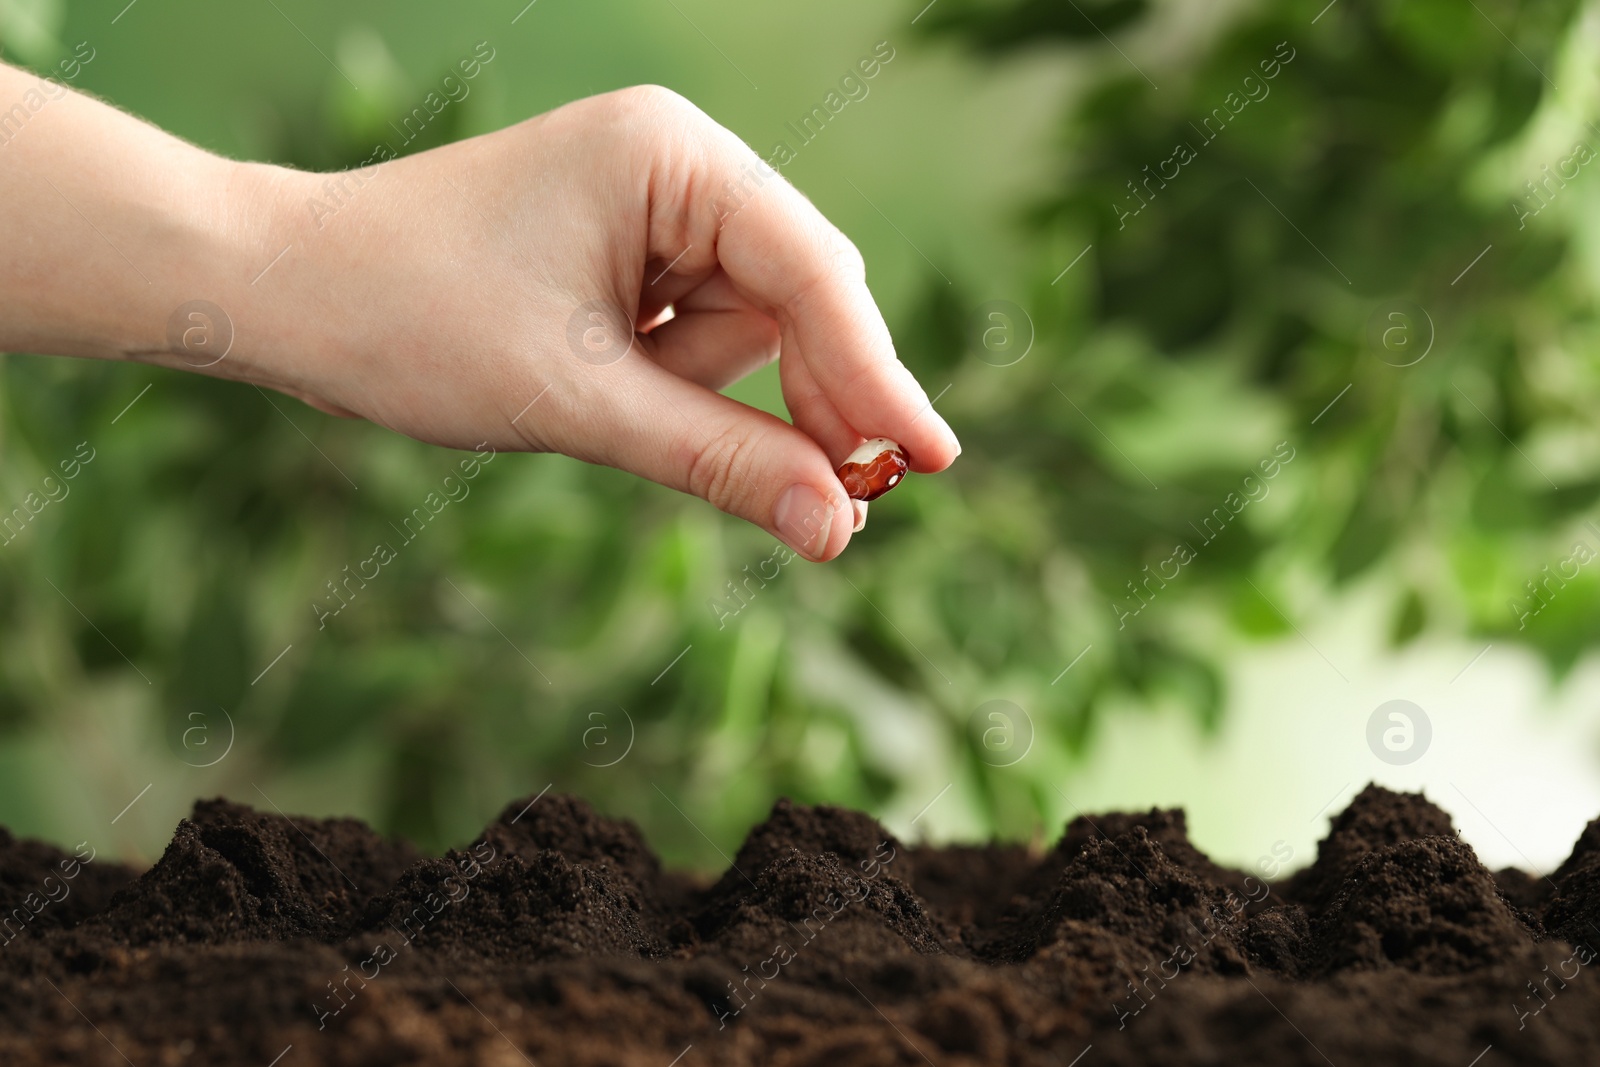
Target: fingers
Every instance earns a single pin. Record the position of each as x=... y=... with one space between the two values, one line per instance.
x=716 y=336
x=662 y=286
x=745 y=462
x=814 y=413
x=782 y=253
x=715 y=348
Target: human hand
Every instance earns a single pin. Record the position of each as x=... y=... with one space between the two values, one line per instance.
x=485 y=291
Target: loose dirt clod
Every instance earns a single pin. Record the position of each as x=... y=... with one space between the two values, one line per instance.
x=556 y=938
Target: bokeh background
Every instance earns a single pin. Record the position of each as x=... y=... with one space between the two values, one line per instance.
x=1380 y=260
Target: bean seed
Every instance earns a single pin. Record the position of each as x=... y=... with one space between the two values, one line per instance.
x=873 y=469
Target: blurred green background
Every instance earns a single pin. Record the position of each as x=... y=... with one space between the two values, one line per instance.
x=1120 y=331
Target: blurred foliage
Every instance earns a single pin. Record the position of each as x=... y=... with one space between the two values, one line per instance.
x=1338 y=177
x=557 y=625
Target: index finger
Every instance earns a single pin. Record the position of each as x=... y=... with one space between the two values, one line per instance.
x=781 y=251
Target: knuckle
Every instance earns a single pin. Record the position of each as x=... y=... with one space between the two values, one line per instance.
x=667 y=133
x=714 y=465
x=654 y=102
x=838 y=260
x=846 y=258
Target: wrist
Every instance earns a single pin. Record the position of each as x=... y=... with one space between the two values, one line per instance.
x=283 y=281
x=213 y=244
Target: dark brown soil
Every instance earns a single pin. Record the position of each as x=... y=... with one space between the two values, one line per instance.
x=556 y=938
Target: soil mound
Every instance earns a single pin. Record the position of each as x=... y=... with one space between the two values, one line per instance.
x=852 y=836
x=556 y=938
x=232 y=873
x=795 y=834
x=799 y=895
x=1376 y=818
x=1583 y=850
x=510 y=908
x=568 y=825
x=1427 y=905
x=43 y=888
x=1127 y=895
x=1168 y=827
x=1574 y=909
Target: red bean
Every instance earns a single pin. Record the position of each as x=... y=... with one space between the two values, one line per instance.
x=873 y=469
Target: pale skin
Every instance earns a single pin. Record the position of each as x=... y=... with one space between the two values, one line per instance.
x=437 y=300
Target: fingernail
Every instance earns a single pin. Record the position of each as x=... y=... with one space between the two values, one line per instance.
x=804 y=518
x=860 y=508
